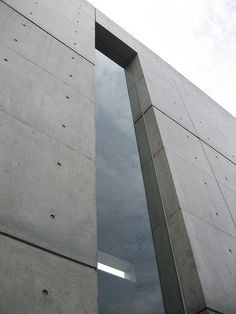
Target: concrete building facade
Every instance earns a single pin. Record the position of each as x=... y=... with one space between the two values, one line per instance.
x=187 y=149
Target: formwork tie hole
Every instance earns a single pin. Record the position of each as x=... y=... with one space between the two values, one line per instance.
x=45 y=292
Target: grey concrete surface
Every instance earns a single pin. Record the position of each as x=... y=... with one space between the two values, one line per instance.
x=47 y=141
x=34 y=281
x=188 y=187
x=72 y=22
x=39 y=178
x=214 y=253
x=120 y=53
x=42 y=50
x=46 y=104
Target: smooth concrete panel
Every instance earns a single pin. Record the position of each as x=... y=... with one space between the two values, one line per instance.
x=152 y=153
x=214 y=254
x=158 y=90
x=184 y=256
x=47 y=194
x=199 y=194
x=225 y=174
x=189 y=106
x=156 y=68
x=165 y=95
x=34 y=282
x=230 y=198
x=148 y=136
x=143 y=97
x=38 y=47
x=196 y=199
x=193 y=176
x=157 y=202
x=36 y=98
x=160 y=196
x=138 y=92
x=213 y=124
x=145 y=154
x=154 y=199
x=171 y=290
x=192 y=183
x=224 y=169
x=167 y=187
x=162 y=199
x=180 y=141
x=134 y=100
x=187 y=185
x=63 y=23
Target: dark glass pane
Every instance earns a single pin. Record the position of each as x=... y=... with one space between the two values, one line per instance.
x=123 y=223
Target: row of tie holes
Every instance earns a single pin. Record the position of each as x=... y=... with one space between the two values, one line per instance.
x=76 y=22
x=70 y=75
x=45 y=292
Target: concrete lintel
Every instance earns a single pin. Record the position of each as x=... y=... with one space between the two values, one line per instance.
x=113 y=47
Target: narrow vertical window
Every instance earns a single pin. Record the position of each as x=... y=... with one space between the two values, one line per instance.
x=128 y=279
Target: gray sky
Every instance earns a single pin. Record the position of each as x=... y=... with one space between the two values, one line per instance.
x=196 y=37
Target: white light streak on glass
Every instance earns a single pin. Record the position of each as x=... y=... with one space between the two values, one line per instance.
x=111 y=270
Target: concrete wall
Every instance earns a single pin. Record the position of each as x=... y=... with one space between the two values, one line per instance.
x=47 y=165
x=187 y=150
x=47 y=141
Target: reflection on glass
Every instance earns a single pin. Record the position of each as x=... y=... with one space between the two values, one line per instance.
x=124 y=235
